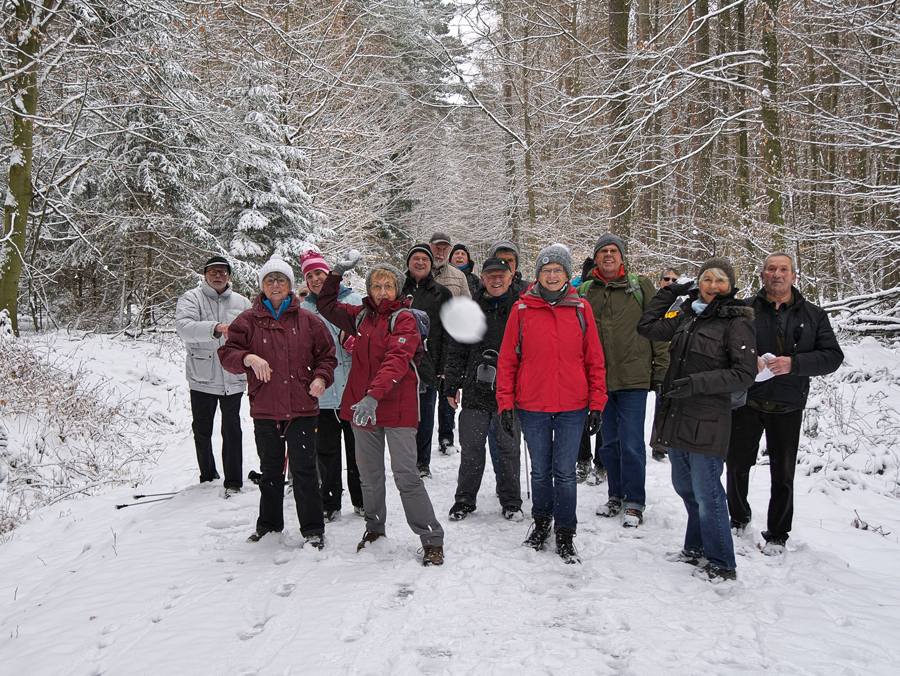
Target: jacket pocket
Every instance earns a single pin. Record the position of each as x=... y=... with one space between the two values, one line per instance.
x=201 y=364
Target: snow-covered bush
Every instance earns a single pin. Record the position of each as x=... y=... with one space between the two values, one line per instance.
x=852 y=423
x=61 y=434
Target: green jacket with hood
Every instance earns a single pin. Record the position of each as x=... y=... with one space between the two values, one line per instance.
x=632 y=362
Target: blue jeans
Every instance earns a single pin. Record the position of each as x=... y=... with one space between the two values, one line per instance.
x=623 y=453
x=697 y=479
x=553 y=440
x=427 y=400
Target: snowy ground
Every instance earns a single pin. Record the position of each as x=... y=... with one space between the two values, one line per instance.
x=173 y=588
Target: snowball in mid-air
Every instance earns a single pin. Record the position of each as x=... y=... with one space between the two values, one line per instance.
x=463 y=320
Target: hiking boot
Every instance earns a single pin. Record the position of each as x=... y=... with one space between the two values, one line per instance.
x=738 y=528
x=424 y=471
x=565 y=547
x=433 y=556
x=684 y=556
x=775 y=544
x=582 y=471
x=255 y=536
x=447 y=447
x=204 y=480
x=359 y=510
x=230 y=491
x=596 y=476
x=513 y=514
x=367 y=538
x=714 y=574
x=633 y=518
x=460 y=511
x=317 y=540
x=538 y=533
x=611 y=508
x=660 y=455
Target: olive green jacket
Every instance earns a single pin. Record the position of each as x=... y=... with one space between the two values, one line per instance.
x=632 y=361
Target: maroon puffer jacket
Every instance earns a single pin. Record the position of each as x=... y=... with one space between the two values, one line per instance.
x=299 y=349
x=382 y=361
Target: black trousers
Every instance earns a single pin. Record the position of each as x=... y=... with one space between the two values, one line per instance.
x=782 y=441
x=329 y=430
x=446 y=417
x=203 y=410
x=299 y=436
x=473 y=431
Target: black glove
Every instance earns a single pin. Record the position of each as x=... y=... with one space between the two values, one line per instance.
x=350 y=260
x=681 y=288
x=592 y=424
x=656 y=386
x=681 y=388
x=507 y=422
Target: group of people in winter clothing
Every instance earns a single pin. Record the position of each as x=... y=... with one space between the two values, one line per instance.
x=558 y=362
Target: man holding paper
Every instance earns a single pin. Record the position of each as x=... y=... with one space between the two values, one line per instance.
x=796 y=341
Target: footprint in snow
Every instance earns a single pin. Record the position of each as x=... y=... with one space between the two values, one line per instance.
x=284 y=590
x=253 y=631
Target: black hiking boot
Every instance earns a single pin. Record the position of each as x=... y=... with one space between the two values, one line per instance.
x=565 y=547
x=538 y=533
x=460 y=511
x=368 y=538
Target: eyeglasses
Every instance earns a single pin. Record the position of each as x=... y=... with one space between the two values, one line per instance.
x=272 y=281
x=670 y=279
x=217 y=273
x=609 y=251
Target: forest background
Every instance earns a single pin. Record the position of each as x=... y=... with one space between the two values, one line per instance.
x=143 y=136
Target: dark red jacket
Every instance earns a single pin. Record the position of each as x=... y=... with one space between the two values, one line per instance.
x=382 y=361
x=299 y=349
x=559 y=368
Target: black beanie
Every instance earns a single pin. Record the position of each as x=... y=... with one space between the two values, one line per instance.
x=420 y=248
x=217 y=260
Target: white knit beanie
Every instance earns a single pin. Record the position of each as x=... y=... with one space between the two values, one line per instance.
x=276 y=264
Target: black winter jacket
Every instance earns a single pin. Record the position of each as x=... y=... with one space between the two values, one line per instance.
x=463 y=360
x=429 y=296
x=809 y=342
x=716 y=350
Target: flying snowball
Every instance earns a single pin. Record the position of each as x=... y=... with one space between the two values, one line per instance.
x=463 y=320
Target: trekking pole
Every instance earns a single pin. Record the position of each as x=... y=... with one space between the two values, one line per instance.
x=152 y=495
x=146 y=502
x=527 y=477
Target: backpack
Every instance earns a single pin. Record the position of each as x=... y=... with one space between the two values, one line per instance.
x=579 y=311
x=634 y=288
x=423 y=326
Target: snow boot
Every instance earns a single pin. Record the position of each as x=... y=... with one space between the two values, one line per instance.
x=368 y=538
x=513 y=514
x=538 y=533
x=565 y=547
x=633 y=518
x=433 y=556
x=460 y=511
x=316 y=540
x=610 y=508
x=714 y=574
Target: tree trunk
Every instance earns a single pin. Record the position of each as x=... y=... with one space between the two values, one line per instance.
x=25 y=42
x=772 y=132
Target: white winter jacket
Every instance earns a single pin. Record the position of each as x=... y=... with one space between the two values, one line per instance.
x=196 y=315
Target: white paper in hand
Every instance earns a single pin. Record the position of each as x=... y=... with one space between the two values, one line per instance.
x=765 y=374
x=463 y=320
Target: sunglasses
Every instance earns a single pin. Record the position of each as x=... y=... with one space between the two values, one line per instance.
x=670 y=279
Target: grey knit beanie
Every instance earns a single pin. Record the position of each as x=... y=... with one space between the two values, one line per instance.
x=503 y=244
x=555 y=253
x=276 y=264
x=609 y=238
x=722 y=264
x=390 y=268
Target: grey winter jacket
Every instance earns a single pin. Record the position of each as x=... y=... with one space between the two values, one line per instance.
x=196 y=315
x=453 y=278
x=332 y=396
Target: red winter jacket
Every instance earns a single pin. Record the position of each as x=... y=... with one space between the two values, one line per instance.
x=382 y=361
x=299 y=349
x=559 y=368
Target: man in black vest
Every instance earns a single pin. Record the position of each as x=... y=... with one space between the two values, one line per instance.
x=794 y=340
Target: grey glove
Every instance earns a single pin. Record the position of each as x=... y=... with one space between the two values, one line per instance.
x=350 y=260
x=365 y=411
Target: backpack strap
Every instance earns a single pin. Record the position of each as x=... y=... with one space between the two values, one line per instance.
x=634 y=288
x=521 y=308
x=362 y=315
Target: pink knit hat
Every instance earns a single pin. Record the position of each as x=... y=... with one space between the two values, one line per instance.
x=312 y=260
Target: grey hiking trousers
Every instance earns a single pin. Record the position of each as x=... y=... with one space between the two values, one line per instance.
x=401 y=443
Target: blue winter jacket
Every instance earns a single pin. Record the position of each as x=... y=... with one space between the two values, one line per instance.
x=332 y=396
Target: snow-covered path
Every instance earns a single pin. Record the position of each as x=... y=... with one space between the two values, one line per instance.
x=173 y=588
